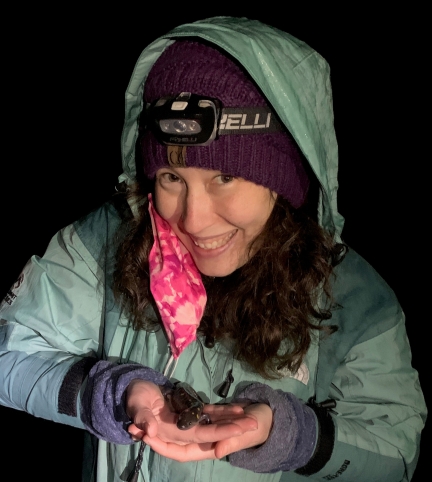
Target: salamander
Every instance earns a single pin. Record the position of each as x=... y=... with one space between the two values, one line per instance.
x=184 y=400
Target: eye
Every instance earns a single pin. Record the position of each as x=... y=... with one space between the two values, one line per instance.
x=225 y=178
x=171 y=177
x=168 y=177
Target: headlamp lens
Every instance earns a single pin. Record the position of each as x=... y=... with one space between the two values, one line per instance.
x=164 y=125
x=194 y=126
x=179 y=126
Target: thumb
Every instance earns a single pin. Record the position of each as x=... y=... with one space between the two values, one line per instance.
x=226 y=447
x=144 y=423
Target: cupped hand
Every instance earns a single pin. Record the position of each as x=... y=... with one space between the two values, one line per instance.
x=151 y=417
x=263 y=416
x=145 y=406
x=253 y=430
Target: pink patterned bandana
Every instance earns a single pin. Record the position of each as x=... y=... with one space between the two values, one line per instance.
x=176 y=285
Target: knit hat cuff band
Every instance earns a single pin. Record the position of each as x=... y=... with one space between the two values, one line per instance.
x=261 y=162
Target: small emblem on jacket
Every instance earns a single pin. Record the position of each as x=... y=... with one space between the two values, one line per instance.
x=10 y=295
x=302 y=374
x=18 y=282
x=342 y=469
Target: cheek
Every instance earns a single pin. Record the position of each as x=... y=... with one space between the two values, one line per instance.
x=166 y=205
x=254 y=217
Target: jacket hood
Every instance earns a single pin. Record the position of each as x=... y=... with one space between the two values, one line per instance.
x=302 y=99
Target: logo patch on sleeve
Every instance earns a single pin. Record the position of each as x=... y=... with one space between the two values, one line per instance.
x=12 y=294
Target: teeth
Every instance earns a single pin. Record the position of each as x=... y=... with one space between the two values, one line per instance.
x=215 y=244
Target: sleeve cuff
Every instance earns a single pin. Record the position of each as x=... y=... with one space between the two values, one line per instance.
x=103 y=410
x=71 y=385
x=325 y=440
x=292 y=439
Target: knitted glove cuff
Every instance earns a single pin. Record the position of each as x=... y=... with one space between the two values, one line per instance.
x=292 y=439
x=103 y=405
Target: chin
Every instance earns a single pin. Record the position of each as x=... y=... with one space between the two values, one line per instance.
x=217 y=270
x=216 y=273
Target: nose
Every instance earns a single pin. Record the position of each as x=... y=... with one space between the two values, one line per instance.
x=197 y=212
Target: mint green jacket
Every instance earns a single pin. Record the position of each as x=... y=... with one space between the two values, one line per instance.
x=60 y=314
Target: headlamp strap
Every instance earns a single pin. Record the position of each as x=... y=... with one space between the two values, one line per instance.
x=248 y=120
x=193 y=120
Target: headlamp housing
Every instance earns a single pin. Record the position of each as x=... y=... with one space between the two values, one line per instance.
x=189 y=119
x=186 y=119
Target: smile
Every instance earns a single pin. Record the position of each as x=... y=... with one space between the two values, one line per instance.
x=215 y=244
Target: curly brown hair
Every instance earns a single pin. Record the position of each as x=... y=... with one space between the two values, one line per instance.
x=269 y=309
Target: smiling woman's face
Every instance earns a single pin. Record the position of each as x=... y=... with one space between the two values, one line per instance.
x=215 y=216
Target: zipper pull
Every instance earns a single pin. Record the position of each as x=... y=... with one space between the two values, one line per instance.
x=133 y=476
x=209 y=341
x=226 y=385
x=329 y=403
x=326 y=405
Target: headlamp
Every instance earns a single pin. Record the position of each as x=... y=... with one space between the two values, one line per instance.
x=187 y=119
x=193 y=120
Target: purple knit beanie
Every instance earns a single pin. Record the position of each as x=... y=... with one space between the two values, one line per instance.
x=270 y=159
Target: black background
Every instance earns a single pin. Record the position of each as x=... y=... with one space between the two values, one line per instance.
x=65 y=74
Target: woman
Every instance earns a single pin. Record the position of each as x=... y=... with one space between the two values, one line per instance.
x=220 y=264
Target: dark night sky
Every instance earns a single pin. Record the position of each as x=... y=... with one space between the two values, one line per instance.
x=63 y=144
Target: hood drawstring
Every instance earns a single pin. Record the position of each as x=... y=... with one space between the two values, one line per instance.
x=168 y=372
x=133 y=476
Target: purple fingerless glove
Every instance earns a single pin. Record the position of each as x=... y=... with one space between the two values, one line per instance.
x=103 y=402
x=292 y=438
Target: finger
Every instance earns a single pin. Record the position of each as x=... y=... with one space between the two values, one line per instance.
x=144 y=422
x=181 y=453
x=221 y=418
x=228 y=409
x=234 y=444
x=226 y=447
x=135 y=432
x=208 y=433
x=224 y=429
x=218 y=413
x=263 y=416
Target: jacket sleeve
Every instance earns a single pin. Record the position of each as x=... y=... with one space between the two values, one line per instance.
x=49 y=331
x=373 y=431
x=365 y=366
x=380 y=411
